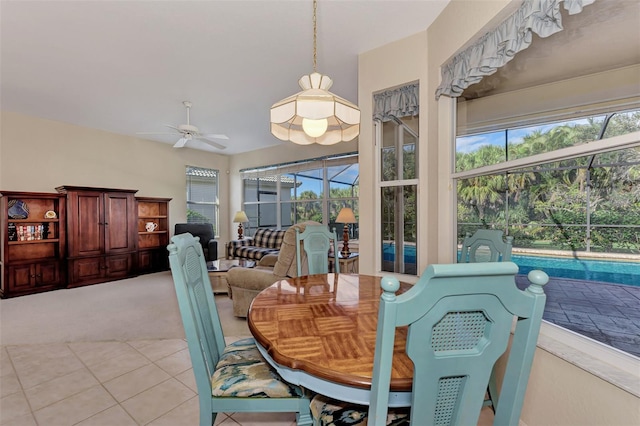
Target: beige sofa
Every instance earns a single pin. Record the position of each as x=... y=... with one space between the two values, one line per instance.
x=246 y=283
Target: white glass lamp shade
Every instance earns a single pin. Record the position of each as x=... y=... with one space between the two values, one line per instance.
x=240 y=217
x=346 y=216
x=315 y=128
x=299 y=118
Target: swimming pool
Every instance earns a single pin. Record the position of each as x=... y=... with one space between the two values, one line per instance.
x=580 y=269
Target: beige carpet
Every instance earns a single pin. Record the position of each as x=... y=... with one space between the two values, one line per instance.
x=144 y=307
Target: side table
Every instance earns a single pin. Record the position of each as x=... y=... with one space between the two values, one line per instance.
x=218 y=272
x=348 y=265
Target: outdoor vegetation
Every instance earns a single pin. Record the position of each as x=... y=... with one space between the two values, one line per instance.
x=589 y=203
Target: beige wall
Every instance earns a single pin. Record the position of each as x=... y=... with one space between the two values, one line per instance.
x=387 y=67
x=559 y=392
x=418 y=58
x=39 y=155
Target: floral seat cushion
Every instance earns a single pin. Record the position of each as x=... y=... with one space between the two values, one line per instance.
x=242 y=372
x=330 y=412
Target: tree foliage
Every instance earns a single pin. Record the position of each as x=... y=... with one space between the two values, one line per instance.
x=587 y=202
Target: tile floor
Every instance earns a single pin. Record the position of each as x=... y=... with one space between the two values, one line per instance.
x=117 y=383
x=150 y=382
x=139 y=382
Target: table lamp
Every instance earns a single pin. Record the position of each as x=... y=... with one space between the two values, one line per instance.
x=346 y=216
x=240 y=218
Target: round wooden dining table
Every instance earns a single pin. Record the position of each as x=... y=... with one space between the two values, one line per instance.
x=319 y=332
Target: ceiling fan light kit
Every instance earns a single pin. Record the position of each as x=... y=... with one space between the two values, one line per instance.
x=315 y=115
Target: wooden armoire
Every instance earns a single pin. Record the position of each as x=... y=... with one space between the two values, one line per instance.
x=102 y=233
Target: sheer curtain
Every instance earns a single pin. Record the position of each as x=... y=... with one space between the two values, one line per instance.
x=499 y=46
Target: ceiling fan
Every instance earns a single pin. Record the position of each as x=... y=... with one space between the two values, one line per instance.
x=189 y=132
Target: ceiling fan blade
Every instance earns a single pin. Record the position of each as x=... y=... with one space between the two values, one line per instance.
x=172 y=127
x=214 y=136
x=181 y=143
x=212 y=143
x=155 y=133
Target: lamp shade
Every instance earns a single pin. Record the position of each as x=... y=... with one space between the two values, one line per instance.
x=240 y=217
x=346 y=216
x=302 y=117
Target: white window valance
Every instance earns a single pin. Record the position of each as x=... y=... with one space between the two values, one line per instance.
x=500 y=45
x=400 y=102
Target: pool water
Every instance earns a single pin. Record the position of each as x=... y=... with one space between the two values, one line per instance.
x=580 y=269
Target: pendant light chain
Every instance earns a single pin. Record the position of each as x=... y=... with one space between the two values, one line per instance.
x=315 y=115
x=315 y=31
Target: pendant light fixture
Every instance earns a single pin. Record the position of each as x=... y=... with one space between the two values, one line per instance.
x=315 y=115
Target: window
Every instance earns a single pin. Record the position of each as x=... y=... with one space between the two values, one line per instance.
x=561 y=203
x=281 y=195
x=396 y=123
x=398 y=194
x=569 y=194
x=261 y=201
x=487 y=149
x=202 y=196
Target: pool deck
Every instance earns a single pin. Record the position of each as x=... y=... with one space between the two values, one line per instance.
x=608 y=313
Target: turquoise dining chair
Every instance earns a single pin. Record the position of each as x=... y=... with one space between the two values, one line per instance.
x=460 y=318
x=316 y=242
x=233 y=378
x=486 y=245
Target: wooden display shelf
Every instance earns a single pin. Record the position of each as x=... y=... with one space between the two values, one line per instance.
x=33 y=265
x=46 y=240
x=32 y=220
x=152 y=246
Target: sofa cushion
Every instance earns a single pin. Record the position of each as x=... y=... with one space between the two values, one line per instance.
x=252 y=253
x=268 y=238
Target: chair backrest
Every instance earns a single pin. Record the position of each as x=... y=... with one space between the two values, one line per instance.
x=197 y=307
x=202 y=230
x=486 y=245
x=460 y=318
x=316 y=241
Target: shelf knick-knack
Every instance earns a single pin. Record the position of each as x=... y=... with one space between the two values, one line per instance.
x=12 y=232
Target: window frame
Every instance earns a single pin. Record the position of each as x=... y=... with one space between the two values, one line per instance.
x=398 y=183
x=278 y=172
x=555 y=333
x=215 y=204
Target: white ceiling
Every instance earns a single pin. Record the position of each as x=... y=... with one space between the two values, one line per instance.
x=126 y=66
